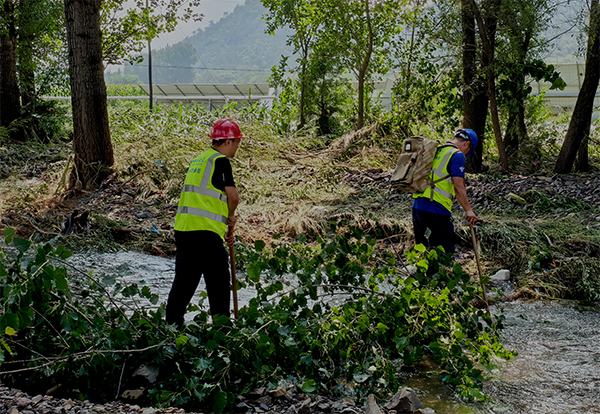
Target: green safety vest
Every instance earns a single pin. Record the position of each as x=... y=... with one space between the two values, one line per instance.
x=201 y=205
x=443 y=190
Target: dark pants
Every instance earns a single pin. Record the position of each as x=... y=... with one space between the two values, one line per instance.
x=441 y=227
x=199 y=253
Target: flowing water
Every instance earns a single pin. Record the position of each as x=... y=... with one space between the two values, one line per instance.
x=557 y=370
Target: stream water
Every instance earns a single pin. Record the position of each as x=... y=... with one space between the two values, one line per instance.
x=557 y=370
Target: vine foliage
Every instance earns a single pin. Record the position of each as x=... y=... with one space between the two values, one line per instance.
x=337 y=317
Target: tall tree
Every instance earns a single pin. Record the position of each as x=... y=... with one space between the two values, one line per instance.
x=362 y=31
x=426 y=80
x=478 y=72
x=582 y=113
x=40 y=39
x=304 y=17
x=475 y=97
x=92 y=147
x=10 y=96
x=522 y=24
x=488 y=46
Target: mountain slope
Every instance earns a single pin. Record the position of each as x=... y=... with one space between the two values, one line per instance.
x=235 y=49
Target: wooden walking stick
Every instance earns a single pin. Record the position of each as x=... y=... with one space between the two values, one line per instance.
x=233 y=281
x=475 y=247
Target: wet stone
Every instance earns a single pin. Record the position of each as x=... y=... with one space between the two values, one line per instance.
x=243 y=406
x=266 y=399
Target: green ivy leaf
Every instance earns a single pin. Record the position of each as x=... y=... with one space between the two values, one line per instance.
x=9 y=234
x=259 y=245
x=181 y=341
x=382 y=328
x=9 y=319
x=309 y=386
x=360 y=378
x=63 y=253
x=26 y=317
x=219 y=401
x=61 y=283
x=203 y=363
x=21 y=245
x=254 y=272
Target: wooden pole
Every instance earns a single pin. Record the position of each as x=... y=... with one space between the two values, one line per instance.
x=233 y=281
x=475 y=247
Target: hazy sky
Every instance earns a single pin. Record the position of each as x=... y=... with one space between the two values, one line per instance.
x=211 y=9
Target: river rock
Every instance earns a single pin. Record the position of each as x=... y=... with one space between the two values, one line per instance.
x=404 y=402
x=371 y=406
x=501 y=275
x=132 y=394
x=265 y=399
x=149 y=373
x=279 y=391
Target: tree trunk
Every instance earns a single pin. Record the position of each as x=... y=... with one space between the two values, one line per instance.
x=303 y=93
x=362 y=73
x=487 y=33
x=582 y=113
x=516 y=129
x=27 y=41
x=582 y=164
x=92 y=147
x=361 y=102
x=10 y=99
x=475 y=98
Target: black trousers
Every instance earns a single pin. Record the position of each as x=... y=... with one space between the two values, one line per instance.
x=441 y=227
x=199 y=253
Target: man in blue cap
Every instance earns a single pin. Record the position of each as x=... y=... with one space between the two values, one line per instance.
x=432 y=213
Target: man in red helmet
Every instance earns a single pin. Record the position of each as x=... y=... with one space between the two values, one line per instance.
x=205 y=219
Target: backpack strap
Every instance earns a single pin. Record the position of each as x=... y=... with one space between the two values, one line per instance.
x=432 y=182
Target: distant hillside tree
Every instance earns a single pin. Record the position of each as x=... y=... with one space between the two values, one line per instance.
x=171 y=64
x=118 y=78
x=236 y=49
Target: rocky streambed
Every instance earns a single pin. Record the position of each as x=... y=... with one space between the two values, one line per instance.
x=281 y=400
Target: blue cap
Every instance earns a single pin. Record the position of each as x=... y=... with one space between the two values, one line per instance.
x=469 y=135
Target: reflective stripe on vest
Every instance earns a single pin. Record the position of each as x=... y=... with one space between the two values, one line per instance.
x=201 y=205
x=443 y=190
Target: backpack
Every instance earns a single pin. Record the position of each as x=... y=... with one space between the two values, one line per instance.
x=414 y=167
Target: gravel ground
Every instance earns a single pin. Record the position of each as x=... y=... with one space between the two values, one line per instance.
x=13 y=401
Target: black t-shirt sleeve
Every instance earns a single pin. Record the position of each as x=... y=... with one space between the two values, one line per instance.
x=223 y=175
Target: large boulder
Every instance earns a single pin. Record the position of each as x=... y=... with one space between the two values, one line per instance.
x=404 y=402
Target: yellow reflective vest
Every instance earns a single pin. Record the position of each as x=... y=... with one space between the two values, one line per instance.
x=443 y=190
x=201 y=205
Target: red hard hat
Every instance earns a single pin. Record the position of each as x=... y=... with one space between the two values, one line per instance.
x=225 y=129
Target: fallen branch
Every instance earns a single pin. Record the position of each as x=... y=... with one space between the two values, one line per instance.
x=79 y=355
